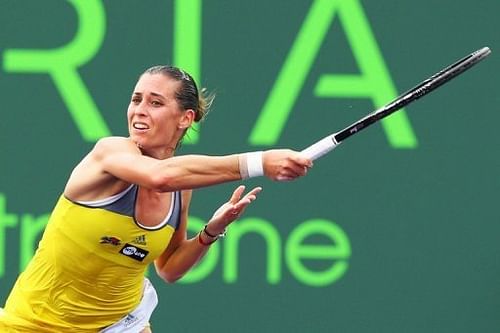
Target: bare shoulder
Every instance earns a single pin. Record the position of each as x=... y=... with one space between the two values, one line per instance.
x=88 y=179
x=107 y=145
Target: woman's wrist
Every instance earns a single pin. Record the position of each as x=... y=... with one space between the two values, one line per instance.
x=207 y=230
x=207 y=237
x=205 y=240
x=251 y=164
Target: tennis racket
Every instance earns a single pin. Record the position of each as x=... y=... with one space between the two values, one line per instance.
x=328 y=143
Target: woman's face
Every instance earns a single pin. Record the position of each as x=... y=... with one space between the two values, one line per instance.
x=155 y=120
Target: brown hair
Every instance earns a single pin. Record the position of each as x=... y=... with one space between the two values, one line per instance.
x=188 y=95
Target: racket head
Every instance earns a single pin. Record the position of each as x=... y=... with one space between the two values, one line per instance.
x=328 y=143
x=430 y=84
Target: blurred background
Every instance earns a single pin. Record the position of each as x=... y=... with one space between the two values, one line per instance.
x=397 y=230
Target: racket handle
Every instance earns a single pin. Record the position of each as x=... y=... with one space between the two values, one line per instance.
x=321 y=147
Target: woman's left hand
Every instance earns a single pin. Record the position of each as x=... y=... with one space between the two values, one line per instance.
x=231 y=210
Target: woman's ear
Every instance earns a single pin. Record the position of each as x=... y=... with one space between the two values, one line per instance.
x=187 y=119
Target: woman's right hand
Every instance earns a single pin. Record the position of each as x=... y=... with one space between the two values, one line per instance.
x=285 y=164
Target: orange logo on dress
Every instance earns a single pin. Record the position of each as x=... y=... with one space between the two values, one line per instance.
x=110 y=240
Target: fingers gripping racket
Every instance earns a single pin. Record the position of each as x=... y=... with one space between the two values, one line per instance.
x=326 y=144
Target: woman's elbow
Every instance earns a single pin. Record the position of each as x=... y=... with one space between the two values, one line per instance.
x=169 y=277
x=167 y=274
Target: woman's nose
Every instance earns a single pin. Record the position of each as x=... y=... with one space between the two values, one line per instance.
x=141 y=109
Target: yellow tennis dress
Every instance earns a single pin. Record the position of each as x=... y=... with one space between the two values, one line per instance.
x=88 y=270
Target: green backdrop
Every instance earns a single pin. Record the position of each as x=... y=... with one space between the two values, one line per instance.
x=397 y=230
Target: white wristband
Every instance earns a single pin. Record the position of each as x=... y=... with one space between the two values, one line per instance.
x=254 y=164
x=251 y=165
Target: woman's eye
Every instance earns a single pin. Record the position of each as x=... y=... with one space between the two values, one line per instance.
x=156 y=103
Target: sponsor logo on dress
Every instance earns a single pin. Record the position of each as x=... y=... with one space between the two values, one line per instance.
x=134 y=252
x=129 y=320
x=110 y=240
x=141 y=240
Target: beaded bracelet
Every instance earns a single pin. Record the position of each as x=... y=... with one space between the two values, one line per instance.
x=200 y=240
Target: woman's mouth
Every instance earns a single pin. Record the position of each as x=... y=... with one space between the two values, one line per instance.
x=140 y=126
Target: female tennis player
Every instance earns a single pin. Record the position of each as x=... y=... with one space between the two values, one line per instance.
x=125 y=206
